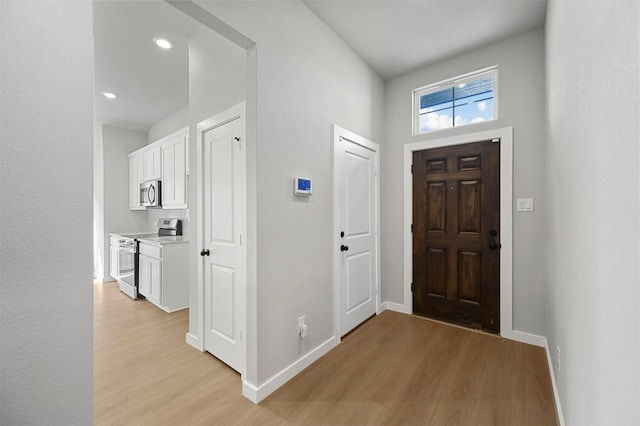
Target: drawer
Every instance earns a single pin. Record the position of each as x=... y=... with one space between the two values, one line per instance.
x=151 y=251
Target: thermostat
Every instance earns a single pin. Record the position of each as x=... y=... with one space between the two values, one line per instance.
x=302 y=186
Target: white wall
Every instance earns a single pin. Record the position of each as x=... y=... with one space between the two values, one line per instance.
x=174 y=122
x=117 y=143
x=46 y=134
x=592 y=238
x=307 y=79
x=521 y=105
x=217 y=78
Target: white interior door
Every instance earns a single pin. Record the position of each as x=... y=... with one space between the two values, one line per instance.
x=356 y=166
x=223 y=269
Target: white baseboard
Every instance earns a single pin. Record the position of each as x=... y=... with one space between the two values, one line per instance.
x=521 y=336
x=552 y=373
x=257 y=394
x=195 y=342
x=396 y=307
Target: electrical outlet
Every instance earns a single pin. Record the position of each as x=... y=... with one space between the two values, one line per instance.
x=302 y=327
x=558 y=357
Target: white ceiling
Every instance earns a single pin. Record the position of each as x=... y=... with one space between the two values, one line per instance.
x=151 y=83
x=392 y=36
x=398 y=36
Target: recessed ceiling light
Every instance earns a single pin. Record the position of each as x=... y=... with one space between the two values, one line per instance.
x=109 y=95
x=162 y=42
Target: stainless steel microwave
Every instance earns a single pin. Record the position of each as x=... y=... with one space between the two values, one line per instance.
x=151 y=193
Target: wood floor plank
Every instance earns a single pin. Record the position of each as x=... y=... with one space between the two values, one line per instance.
x=538 y=389
x=394 y=369
x=503 y=396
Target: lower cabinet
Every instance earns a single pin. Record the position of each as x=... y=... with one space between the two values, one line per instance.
x=150 y=279
x=164 y=275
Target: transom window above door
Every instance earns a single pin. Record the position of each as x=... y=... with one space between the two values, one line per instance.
x=459 y=101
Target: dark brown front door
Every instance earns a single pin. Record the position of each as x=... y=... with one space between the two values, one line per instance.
x=456 y=241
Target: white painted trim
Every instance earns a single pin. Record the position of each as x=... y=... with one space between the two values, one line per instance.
x=528 y=338
x=556 y=394
x=236 y=112
x=338 y=132
x=195 y=342
x=258 y=393
x=506 y=216
x=395 y=307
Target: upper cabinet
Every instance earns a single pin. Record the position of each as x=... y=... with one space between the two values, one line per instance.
x=152 y=163
x=165 y=159
x=174 y=170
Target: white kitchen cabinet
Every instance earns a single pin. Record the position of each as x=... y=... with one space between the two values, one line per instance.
x=150 y=279
x=136 y=177
x=152 y=163
x=164 y=275
x=174 y=170
x=164 y=159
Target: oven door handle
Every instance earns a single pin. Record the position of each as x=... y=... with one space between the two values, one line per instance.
x=127 y=250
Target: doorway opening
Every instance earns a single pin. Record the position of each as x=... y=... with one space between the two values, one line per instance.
x=200 y=32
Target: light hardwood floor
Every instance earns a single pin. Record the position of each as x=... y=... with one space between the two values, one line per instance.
x=394 y=369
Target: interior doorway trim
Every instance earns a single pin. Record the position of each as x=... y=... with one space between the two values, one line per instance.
x=506 y=221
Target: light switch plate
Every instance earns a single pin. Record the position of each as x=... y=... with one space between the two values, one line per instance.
x=524 y=204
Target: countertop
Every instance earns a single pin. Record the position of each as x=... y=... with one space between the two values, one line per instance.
x=133 y=234
x=160 y=241
x=152 y=238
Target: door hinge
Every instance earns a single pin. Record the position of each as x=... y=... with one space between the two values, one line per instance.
x=412 y=169
x=412 y=227
x=412 y=287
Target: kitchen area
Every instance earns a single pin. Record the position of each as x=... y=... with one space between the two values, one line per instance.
x=154 y=265
x=141 y=146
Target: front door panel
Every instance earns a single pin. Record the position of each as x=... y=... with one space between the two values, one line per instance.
x=456 y=224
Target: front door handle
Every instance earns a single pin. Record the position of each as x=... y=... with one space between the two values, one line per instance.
x=494 y=246
x=204 y=252
x=344 y=248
